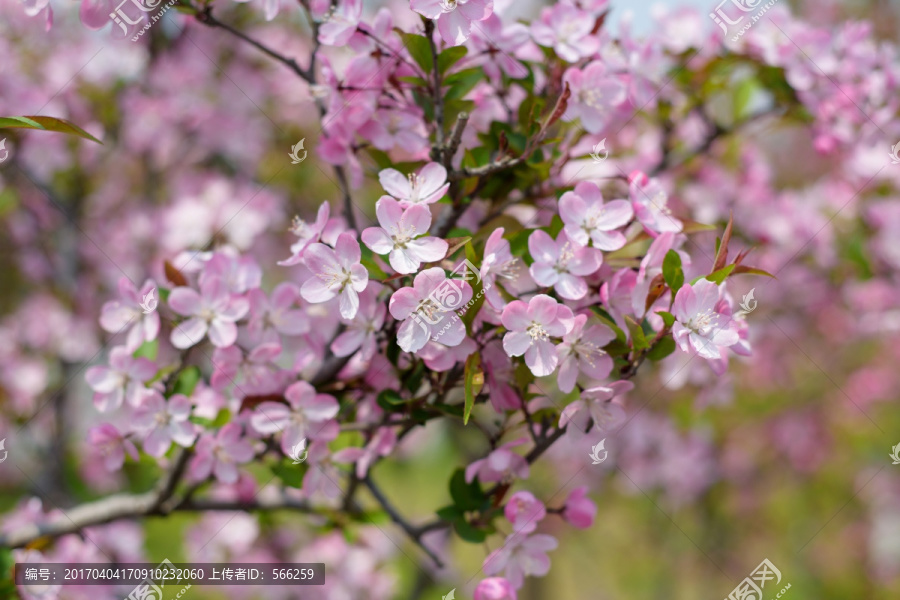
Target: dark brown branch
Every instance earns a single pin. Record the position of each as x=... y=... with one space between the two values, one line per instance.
x=414 y=533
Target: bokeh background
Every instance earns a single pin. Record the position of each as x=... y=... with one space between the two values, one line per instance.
x=785 y=457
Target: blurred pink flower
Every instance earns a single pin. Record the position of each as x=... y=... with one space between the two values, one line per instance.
x=164 y=422
x=495 y=588
x=123 y=379
x=561 y=263
x=308 y=416
x=307 y=233
x=220 y=453
x=567 y=30
x=500 y=464
x=360 y=333
x=398 y=232
x=111 y=445
x=530 y=328
x=341 y=24
x=524 y=511
x=649 y=200
x=381 y=444
x=134 y=312
x=579 y=510
x=521 y=555
x=454 y=17
x=595 y=95
x=276 y=312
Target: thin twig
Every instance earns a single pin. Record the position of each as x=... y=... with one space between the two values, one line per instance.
x=414 y=533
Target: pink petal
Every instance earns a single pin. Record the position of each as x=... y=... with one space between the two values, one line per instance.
x=454 y=27
x=188 y=333
x=393 y=181
x=184 y=301
x=378 y=240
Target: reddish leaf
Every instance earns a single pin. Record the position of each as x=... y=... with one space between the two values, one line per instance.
x=174 y=275
x=741 y=269
x=251 y=402
x=722 y=254
x=657 y=289
x=560 y=108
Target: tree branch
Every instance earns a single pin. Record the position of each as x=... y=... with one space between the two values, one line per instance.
x=414 y=533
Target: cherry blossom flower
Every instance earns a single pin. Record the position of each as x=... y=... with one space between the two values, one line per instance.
x=521 y=555
x=579 y=510
x=568 y=30
x=498 y=262
x=561 y=263
x=397 y=236
x=700 y=328
x=454 y=17
x=276 y=312
x=423 y=308
x=499 y=465
x=596 y=404
x=500 y=43
x=123 y=379
x=530 y=328
x=389 y=129
x=499 y=372
x=361 y=332
x=381 y=444
x=341 y=23
x=336 y=273
x=164 y=422
x=425 y=187
x=111 y=445
x=240 y=273
x=309 y=415
x=649 y=201
x=587 y=219
x=524 y=511
x=495 y=588
x=136 y=310
x=582 y=350
x=307 y=233
x=440 y=358
x=220 y=453
x=255 y=371
x=213 y=310
x=595 y=93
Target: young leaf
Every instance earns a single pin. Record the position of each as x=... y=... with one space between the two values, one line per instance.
x=667 y=317
x=418 y=48
x=450 y=57
x=672 y=271
x=46 y=124
x=721 y=275
x=473 y=364
x=722 y=250
x=466 y=496
x=741 y=269
x=662 y=348
x=187 y=381
x=638 y=339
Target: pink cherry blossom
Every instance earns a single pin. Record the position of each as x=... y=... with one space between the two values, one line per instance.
x=381 y=444
x=595 y=95
x=561 y=263
x=587 y=219
x=498 y=262
x=309 y=415
x=495 y=588
x=276 y=312
x=341 y=24
x=500 y=43
x=521 y=555
x=360 y=333
x=567 y=30
x=454 y=17
x=440 y=358
x=649 y=200
x=220 y=453
x=524 y=511
x=164 y=422
x=142 y=321
x=240 y=273
x=213 y=310
x=336 y=273
x=700 y=328
x=582 y=350
x=111 y=445
x=425 y=187
x=254 y=373
x=426 y=310
x=596 y=404
x=307 y=233
x=579 y=510
x=397 y=236
x=124 y=378
x=530 y=328
x=499 y=465
x=499 y=373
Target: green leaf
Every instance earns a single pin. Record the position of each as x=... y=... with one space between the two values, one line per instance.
x=742 y=270
x=187 y=381
x=461 y=83
x=721 y=275
x=449 y=513
x=46 y=124
x=466 y=496
x=415 y=81
x=389 y=400
x=672 y=272
x=667 y=317
x=413 y=379
x=147 y=350
x=418 y=48
x=450 y=57
x=468 y=533
x=473 y=373
x=290 y=474
x=638 y=339
x=662 y=349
